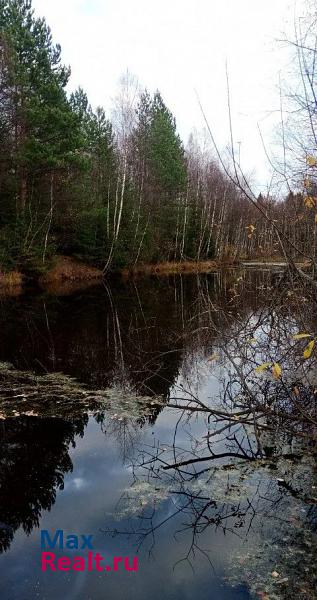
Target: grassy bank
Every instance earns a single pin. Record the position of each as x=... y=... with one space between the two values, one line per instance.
x=64 y=271
x=11 y=279
x=11 y=284
x=67 y=272
x=67 y=269
x=173 y=267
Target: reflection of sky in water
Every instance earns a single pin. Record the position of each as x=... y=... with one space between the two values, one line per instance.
x=85 y=505
x=88 y=338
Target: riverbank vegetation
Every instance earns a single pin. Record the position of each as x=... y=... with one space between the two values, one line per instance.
x=124 y=192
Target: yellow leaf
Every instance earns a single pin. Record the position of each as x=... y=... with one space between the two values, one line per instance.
x=213 y=357
x=306 y=183
x=311 y=161
x=251 y=229
x=309 y=348
x=300 y=336
x=262 y=367
x=276 y=370
x=309 y=202
x=251 y=341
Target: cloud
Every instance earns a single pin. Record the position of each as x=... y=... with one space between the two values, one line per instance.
x=178 y=47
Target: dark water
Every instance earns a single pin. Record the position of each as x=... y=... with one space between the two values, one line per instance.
x=151 y=337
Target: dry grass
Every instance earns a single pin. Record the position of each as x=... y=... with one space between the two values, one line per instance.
x=171 y=268
x=68 y=269
x=12 y=278
x=11 y=283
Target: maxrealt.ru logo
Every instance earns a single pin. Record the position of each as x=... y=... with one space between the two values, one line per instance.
x=88 y=561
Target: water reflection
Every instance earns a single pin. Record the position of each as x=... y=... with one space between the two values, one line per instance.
x=34 y=456
x=136 y=331
x=182 y=442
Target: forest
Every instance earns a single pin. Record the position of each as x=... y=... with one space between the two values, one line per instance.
x=162 y=397
x=121 y=191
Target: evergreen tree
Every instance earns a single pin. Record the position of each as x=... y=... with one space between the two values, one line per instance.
x=166 y=149
x=92 y=205
x=45 y=127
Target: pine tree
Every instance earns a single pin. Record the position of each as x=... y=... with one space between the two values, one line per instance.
x=45 y=127
x=94 y=187
x=44 y=134
x=166 y=149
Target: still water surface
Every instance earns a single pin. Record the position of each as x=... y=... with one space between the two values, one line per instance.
x=150 y=337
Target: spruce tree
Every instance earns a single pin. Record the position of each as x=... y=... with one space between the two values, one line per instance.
x=45 y=127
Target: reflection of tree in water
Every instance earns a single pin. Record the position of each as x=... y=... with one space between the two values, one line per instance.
x=129 y=331
x=237 y=474
x=39 y=418
x=267 y=503
x=252 y=472
x=34 y=455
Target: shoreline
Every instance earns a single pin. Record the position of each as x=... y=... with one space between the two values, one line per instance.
x=67 y=271
x=175 y=267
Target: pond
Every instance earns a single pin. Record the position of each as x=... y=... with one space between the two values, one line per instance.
x=126 y=415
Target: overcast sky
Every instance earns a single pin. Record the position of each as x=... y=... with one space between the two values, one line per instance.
x=178 y=46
